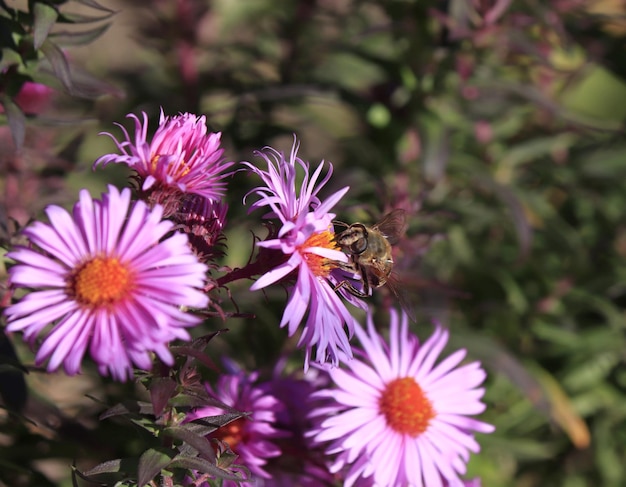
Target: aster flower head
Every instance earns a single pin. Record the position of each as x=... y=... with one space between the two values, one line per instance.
x=106 y=281
x=305 y=240
x=299 y=463
x=253 y=437
x=395 y=418
x=181 y=157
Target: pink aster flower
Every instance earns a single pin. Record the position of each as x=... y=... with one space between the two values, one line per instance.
x=394 y=418
x=181 y=156
x=299 y=463
x=105 y=280
x=306 y=241
x=253 y=437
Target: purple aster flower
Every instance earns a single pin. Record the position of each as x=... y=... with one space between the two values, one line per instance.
x=299 y=463
x=394 y=418
x=105 y=280
x=181 y=156
x=253 y=437
x=305 y=239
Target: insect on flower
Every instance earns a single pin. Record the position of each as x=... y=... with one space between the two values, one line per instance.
x=370 y=253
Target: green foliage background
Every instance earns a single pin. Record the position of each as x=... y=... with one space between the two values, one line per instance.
x=499 y=124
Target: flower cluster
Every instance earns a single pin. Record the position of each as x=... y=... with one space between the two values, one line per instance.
x=393 y=416
x=120 y=280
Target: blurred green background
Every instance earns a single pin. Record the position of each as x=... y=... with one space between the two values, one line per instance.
x=498 y=124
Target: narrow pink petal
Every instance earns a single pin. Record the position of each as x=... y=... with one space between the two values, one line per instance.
x=277 y=273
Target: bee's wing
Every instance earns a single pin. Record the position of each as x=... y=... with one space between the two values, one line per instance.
x=392 y=225
x=424 y=298
x=403 y=297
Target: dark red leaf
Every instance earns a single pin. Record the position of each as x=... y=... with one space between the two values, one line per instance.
x=161 y=391
x=151 y=463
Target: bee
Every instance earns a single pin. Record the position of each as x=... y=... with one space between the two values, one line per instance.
x=369 y=251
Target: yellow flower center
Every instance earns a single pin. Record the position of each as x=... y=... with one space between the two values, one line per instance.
x=406 y=407
x=320 y=266
x=101 y=281
x=181 y=170
x=154 y=162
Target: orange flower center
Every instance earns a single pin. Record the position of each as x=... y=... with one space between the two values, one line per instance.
x=320 y=266
x=406 y=407
x=233 y=433
x=101 y=281
x=181 y=170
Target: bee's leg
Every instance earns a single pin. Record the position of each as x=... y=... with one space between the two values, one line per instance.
x=347 y=285
x=366 y=280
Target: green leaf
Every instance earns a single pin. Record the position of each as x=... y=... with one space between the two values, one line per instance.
x=151 y=463
x=95 y=5
x=16 y=119
x=8 y=30
x=9 y=57
x=79 y=38
x=45 y=16
x=73 y=18
x=59 y=63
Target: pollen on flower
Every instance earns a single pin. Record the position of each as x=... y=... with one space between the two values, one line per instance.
x=101 y=281
x=320 y=266
x=154 y=162
x=405 y=407
x=177 y=171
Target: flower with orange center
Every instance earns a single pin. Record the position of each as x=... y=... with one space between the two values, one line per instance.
x=394 y=418
x=182 y=156
x=101 y=281
x=320 y=266
x=252 y=437
x=233 y=433
x=305 y=238
x=405 y=407
x=104 y=279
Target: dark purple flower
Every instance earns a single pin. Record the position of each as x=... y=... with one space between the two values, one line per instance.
x=253 y=438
